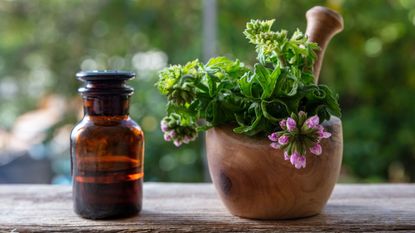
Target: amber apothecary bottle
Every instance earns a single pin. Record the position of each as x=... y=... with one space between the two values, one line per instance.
x=107 y=149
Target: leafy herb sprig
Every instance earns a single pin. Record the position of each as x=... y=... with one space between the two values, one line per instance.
x=253 y=101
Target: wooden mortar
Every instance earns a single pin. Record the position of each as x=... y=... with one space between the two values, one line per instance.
x=254 y=181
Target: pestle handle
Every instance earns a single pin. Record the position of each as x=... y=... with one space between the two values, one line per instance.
x=322 y=25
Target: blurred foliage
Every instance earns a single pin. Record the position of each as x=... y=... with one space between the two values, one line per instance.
x=43 y=43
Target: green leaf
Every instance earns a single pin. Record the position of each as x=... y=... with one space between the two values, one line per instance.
x=211 y=111
x=287 y=85
x=274 y=110
x=331 y=100
x=212 y=80
x=314 y=93
x=307 y=78
x=253 y=128
x=203 y=88
x=245 y=84
x=222 y=63
x=266 y=79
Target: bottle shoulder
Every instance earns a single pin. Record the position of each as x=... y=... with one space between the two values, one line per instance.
x=106 y=126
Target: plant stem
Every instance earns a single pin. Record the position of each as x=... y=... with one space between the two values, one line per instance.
x=282 y=61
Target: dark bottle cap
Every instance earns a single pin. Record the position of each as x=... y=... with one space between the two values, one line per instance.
x=105 y=82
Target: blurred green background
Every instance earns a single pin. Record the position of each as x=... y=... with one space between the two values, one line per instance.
x=43 y=43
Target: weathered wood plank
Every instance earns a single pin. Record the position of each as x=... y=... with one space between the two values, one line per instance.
x=196 y=208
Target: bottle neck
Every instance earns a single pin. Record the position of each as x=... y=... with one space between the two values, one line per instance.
x=106 y=105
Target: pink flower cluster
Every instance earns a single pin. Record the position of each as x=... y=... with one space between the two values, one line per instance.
x=178 y=134
x=299 y=134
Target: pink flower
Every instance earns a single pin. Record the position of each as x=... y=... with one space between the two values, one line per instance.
x=283 y=124
x=187 y=139
x=286 y=156
x=275 y=145
x=298 y=160
x=293 y=134
x=301 y=161
x=316 y=149
x=167 y=137
x=326 y=134
x=273 y=137
x=293 y=158
x=312 y=122
x=164 y=127
x=291 y=124
x=177 y=143
x=283 y=139
x=322 y=133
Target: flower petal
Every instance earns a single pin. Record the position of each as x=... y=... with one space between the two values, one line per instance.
x=283 y=139
x=273 y=137
x=293 y=158
x=326 y=134
x=283 y=124
x=291 y=124
x=312 y=122
x=167 y=137
x=164 y=127
x=286 y=156
x=299 y=161
x=316 y=149
x=187 y=139
x=177 y=143
x=275 y=145
x=302 y=161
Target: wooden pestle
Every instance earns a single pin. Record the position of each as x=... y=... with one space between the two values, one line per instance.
x=322 y=25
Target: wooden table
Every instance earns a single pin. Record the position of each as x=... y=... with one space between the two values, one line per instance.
x=196 y=208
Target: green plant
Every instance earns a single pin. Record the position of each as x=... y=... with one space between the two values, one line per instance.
x=222 y=91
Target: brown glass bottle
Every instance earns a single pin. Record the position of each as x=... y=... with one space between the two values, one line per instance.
x=107 y=149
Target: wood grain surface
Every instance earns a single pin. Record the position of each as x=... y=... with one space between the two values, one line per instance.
x=170 y=207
